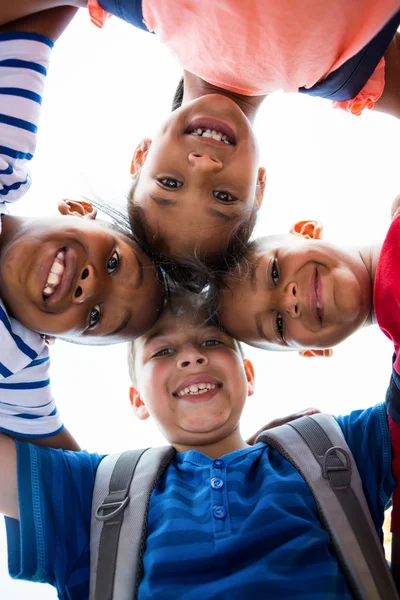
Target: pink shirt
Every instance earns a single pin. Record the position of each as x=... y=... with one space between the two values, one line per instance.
x=254 y=47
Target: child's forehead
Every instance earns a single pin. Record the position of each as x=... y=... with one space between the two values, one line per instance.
x=180 y=320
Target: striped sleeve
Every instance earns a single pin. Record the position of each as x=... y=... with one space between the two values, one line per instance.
x=27 y=407
x=24 y=59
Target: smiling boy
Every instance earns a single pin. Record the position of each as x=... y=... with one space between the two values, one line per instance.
x=225 y=519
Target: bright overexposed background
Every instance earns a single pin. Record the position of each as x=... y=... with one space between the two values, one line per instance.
x=107 y=89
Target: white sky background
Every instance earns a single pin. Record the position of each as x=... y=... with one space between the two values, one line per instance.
x=107 y=89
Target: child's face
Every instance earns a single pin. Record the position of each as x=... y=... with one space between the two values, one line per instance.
x=195 y=190
x=192 y=379
x=298 y=294
x=105 y=290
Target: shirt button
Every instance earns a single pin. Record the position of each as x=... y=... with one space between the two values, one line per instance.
x=219 y=512
x=218 y=464
x=216 y=483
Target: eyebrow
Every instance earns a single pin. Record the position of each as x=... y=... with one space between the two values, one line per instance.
x=260 y=330
x=221 y=215
x=157 y=333
x=253 y=272
x=122 y=325
x=162 y=201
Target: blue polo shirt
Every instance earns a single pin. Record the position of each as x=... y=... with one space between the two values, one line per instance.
x=226 y=528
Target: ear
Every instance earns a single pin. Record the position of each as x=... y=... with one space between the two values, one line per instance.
x=308 y=229
x=249 y=370
x=261 y=181
x=78 y=208
x=140 y=155
x=139 y=407
x=324 y=353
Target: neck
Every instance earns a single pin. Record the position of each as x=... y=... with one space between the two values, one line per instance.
x=195 y=87
x=232 y=442
x=370 y=256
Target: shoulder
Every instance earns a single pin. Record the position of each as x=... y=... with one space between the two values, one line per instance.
x=367 y=434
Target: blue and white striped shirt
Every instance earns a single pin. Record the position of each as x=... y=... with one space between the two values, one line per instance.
x=26 y=404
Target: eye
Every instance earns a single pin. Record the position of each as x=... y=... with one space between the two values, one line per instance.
x=279 y=326
x=163 y=352
x=211 y=343
x=113 y=262
x=94 y=316
x=275 y=272
x=170 y=183
x=224 y=197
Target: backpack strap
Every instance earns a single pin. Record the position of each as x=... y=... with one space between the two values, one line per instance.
x=316 y=447
x=123 y=485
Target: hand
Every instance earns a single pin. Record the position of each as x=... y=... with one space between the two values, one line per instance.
x=282 y=421
x=395 y=208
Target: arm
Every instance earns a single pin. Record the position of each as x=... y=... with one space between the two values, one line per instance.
x=389 y=102
x=8 y=477
x=20 y=9
x=50 y=23
x=63 y=440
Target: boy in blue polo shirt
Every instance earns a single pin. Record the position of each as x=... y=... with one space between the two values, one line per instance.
x=226 y=519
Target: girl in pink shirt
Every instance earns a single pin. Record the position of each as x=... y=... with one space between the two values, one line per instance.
x=197 y=186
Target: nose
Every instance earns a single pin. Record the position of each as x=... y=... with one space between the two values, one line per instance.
x=205 y=162
x=290 y=300
x=191 y=357
x=85 y=286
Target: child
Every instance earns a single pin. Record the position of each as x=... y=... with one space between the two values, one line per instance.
x=198 y=186
x=225 y=519
x=67 y=276
x=301 y=293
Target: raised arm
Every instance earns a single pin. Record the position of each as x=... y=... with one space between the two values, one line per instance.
x=8 y=477
x=50 y=23
x=390 y=100
x=19 y=9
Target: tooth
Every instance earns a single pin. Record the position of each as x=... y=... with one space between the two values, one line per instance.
x=217 y=136
x=193 y=388
x=57 y=268
x=53 y=279
x=47 y=290
x=207 y=133
x=199 y=131
x=202 y=385
x=60 y=255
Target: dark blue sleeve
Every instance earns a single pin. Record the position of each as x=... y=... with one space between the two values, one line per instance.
x=50 y=541
x=348 y=80
x=368 y=437
x=393 y=396
x=128 y=10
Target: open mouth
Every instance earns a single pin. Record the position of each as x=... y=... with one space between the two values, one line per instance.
x=212 y=130
x=319 y=311
x=198 y=389
x=55 y=275
x=60 y=276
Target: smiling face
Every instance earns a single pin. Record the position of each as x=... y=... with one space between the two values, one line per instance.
x=199 y=178
x=299 y=294
x=191 y=378
x=71 y=277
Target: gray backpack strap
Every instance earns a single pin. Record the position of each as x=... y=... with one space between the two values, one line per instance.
x=315 y=445
x=121 y=495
